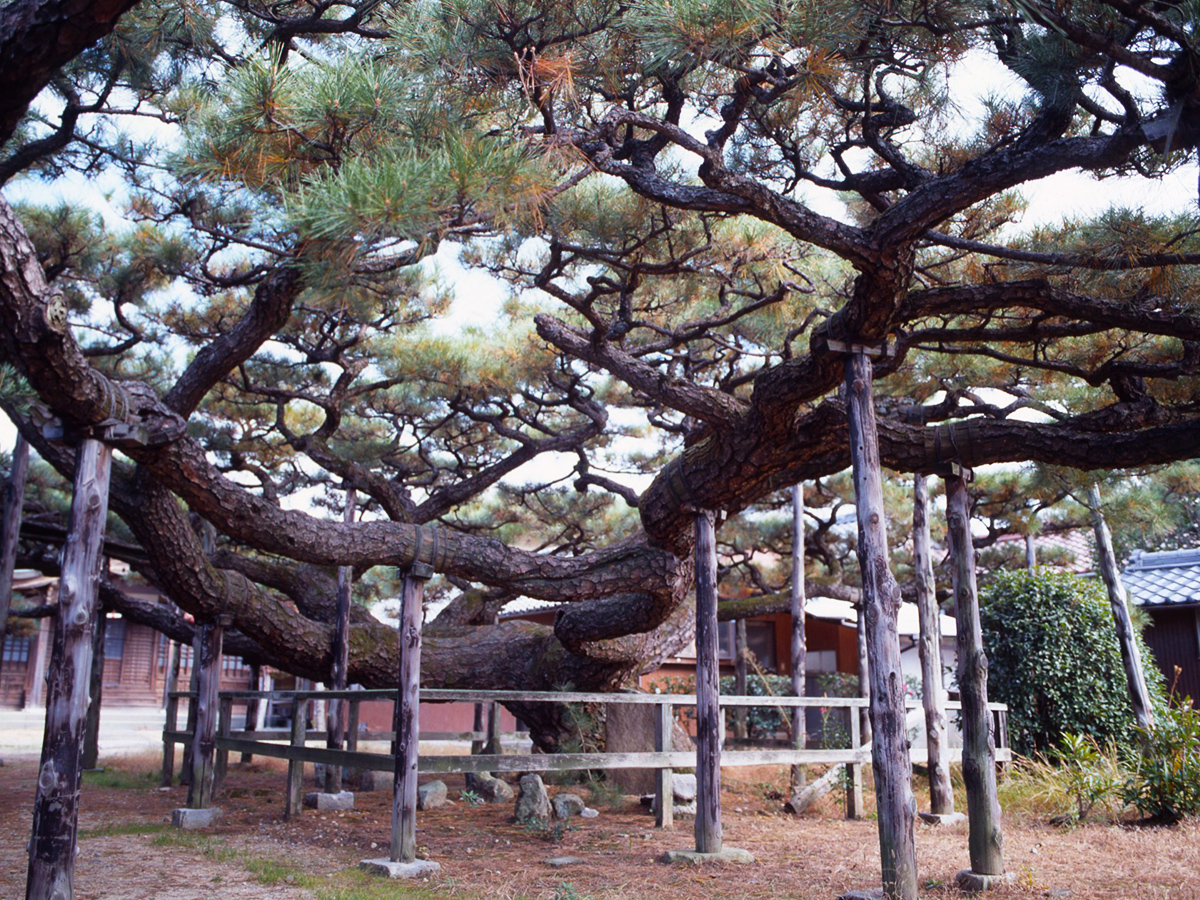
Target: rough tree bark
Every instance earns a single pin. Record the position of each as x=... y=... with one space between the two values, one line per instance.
x=10 y=528
x=708 y=711
x=1135 y=677
x=799 y=727
x=941 y=791
x=881 y=605
x=740 y=649
x=979 y=746
x=91 y=731
x=339 y=710
x=864 y=670
x=55 y=812
x=407 y=722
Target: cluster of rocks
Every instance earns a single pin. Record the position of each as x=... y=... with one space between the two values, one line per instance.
x=534 y=804
x=683 y=795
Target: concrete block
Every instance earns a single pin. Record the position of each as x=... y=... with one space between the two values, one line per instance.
x=973 y=882
x=695 y=858
x=386 y=868
x=937 y=819
x=189 y=819
x=320 y=800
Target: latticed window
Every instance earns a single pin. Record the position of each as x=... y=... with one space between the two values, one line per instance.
x=16 y=649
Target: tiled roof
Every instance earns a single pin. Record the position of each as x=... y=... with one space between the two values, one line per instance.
x=1170 y=576
x=1077 y=543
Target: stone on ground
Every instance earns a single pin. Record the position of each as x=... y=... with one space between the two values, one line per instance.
x=942 y=819
x=588 y=813
x=696 y=858
x=561 y=862
x=322 y=800
x=567 y=805
x=376 y=781
x=431 y=795
x=492 y=789
x=973 y=882
x=386 y=868
x=532 y=800
x=869 y=894
x=683 y=788
x=188 y=819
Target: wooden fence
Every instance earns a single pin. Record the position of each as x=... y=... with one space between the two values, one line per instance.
x=662 y=759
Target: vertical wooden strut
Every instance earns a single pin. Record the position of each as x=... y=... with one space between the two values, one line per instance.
x=10 y=527
x=252 y=706
x=56 y=809
x=741 y=721
x=91 y=731
x=979 y=747
x=339 y=710
x=881 y=605
x=929 y=647
x=407 y=725
x=1135 y=677
x=708 y=710
x=799 y=728
x=200 y=789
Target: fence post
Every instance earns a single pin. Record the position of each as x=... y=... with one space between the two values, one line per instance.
x=708 y=709
x=171 y=724
x=200 y=789
x=224 y=727
x=295 y=776
x=854 y=779
x=664 y=793
x=252 y=706
x=352 y=740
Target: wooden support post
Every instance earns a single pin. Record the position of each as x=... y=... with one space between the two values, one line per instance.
x=1030 y=553
x=200 y=788
x=854 y=779
x=1135 y=677
x=173 y=659
x=493 y=746
x=352 y=718
x=338 y=710
x=741 y=728
x=929 y=648
x=881 y=605
x=799 y=727
x=185 y=769
x=252 y=706
x=224 y=727
x=172 y=723
x=91 y=731
x=10 y=528
x=864 y=670
x=407 y=724
x=979 y=749
x=56 y=808
x=295 y=772
x=708 y=709
x=664 y=791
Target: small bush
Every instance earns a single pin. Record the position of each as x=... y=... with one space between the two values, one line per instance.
x=1053 y=658
x=1164 y=782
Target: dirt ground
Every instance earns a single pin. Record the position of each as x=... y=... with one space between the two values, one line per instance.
x=127 y=851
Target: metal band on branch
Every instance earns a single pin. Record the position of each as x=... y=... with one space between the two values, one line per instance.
x=832 y=337
x=680 y=490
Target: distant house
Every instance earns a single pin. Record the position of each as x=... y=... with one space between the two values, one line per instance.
x=1167 y=586
x=135 y=656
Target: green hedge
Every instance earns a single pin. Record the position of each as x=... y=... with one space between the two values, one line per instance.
x=1053 y=658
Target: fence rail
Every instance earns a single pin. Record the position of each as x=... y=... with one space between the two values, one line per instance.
x=291 y=744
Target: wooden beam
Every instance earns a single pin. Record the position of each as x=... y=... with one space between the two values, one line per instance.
x=200 y=789
x=881 y=605
x=798 y=733
x=929 y=648
x=10 y=528
x=338 y=710
x=407 y=724
x=985 y=840
x=56 y=808
x=708 y=710
x=1131 y=657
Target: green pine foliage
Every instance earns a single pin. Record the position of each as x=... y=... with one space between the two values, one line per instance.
x=1053 y=658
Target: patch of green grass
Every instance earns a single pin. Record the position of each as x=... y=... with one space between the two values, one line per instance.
x=123 y=828
x=205 y=844
x=271 y=871
x=354 y=884
x=121 y=779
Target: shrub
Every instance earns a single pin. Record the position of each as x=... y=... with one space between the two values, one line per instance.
x=1165 y=770
x=1053 y=658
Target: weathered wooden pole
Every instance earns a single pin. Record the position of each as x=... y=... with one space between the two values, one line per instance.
x=708 y=710
x=407 y=724
x=1030 y=553
x=979 y=749
x=174 y=654
x=799 y=727
x=91 y=731
x=200 y=789
x=864 y=670
x=185 y=770
x=880 y=607
x=664 y=792
x=740 y=687
x=929 y=648
x=10 y=528
x=56 y=809
x=1135 y=677
x=252 y=706
x=339 y=710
